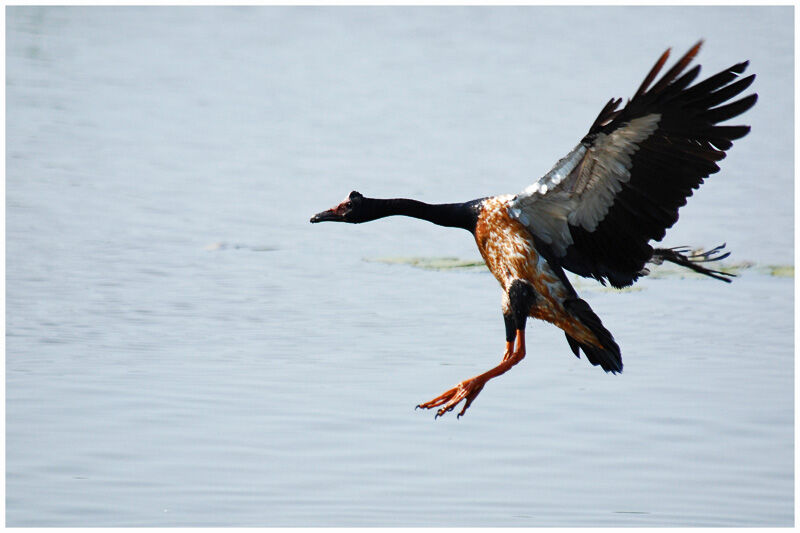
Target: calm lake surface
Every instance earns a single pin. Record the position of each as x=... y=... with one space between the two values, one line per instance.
x=184 y=349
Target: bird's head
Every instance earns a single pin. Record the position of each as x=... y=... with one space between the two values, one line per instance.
x=352 y=209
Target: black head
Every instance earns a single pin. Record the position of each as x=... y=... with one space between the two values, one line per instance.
x=352 y=210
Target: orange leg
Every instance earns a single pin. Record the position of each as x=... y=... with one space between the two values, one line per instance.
x=469 y=389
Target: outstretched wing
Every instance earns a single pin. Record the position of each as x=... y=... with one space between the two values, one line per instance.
x=596 y=211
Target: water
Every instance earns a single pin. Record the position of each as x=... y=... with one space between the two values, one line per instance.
x=183 y=348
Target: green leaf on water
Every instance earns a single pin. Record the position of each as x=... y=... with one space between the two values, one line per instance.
x=780 y=271
x=431 y=263
x=662 y=271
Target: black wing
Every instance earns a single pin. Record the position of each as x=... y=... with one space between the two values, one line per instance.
x=597 y=210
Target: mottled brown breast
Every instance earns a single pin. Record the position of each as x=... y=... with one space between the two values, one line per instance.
x=508 y=249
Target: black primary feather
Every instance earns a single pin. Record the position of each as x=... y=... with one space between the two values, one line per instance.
x=665 y=169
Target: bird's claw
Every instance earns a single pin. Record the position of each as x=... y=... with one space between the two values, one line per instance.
x=466 y=390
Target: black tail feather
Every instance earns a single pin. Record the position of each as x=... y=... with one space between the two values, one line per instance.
x=609 y=356
x=683 y=256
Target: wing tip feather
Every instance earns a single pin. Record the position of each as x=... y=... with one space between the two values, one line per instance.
x=653 y=73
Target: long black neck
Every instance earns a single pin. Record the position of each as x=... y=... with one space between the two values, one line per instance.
x=461 y=215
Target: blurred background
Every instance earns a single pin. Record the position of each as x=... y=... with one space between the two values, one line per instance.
x=184 y=348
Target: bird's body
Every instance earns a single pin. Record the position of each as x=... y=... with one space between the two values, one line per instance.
x=509 y=251
x=594 y=213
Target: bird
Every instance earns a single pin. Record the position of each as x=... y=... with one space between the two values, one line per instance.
x=596 y=213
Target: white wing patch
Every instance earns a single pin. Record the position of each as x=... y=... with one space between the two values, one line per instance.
x=558 y=173
x=580 y=188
